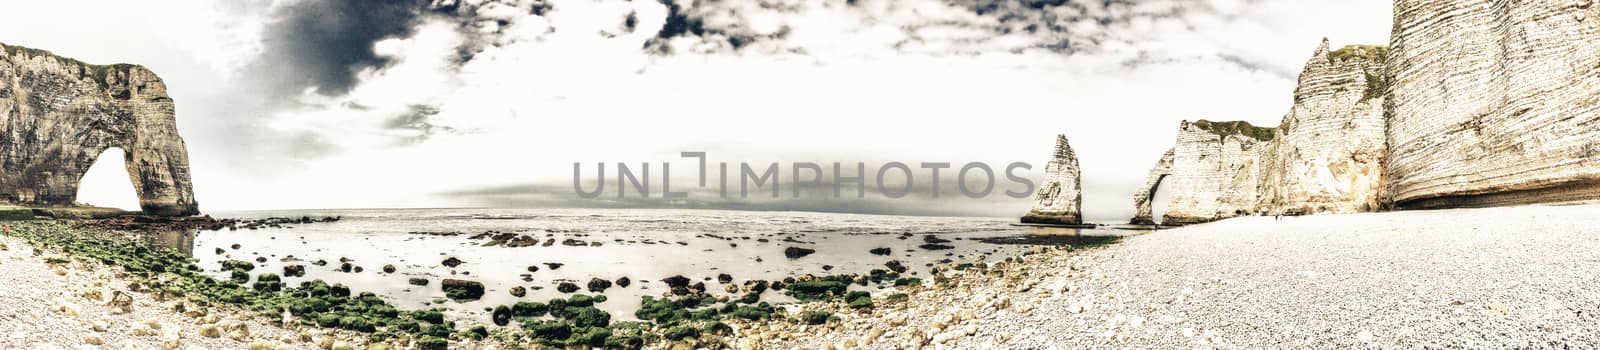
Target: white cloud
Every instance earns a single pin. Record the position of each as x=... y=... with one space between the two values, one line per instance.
x=899 y=80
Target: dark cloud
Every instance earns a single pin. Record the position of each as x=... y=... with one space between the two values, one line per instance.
x=417 y=120
x=324 y=44
x=630 y=23
x=691 y=21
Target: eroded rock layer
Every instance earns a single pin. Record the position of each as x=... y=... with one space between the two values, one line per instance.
x=1060 y=197
x=1328 y=153
x=1493 y=103
x=1214 y=169
x=58 y=114
x=1326 y=156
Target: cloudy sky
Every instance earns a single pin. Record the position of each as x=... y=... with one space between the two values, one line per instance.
x=444 y=103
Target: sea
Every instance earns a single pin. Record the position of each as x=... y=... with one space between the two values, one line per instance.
x=579 y=245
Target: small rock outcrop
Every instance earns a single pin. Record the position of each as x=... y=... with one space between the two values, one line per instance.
x=57 y=115
x=1494 y=103
x=1141 y=199
x=1060 y=197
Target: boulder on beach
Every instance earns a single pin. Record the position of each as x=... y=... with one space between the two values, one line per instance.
x=624 y=282
x=417 y=281
x=451 y=262
x=567 y=287
x=797 y=252
x=598 y=285
x=462 y=289
x=676 y=281
x=294 y=270
x=519 y=291
x=896 y=266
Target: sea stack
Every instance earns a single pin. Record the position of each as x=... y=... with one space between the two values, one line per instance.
x=1060 y=197
x=57 y=115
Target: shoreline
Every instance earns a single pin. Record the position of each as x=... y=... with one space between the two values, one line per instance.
x=1473 y=278
x=61 y=300
x=727 y=331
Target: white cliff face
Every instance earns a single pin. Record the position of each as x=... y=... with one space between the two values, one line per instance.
x=1476 y=103
x=1493 y=103
x=1214 y=169
x=1328 y=153
x=1326 y=156
x=1060 y=198
x=58 y=114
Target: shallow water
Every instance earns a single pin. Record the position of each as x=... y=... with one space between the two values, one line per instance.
x=643 y=245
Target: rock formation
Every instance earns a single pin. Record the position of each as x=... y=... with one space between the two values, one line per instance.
x=1214 y=168
x=1141 y=199
x=58 y=114
x=1060 y=197
x=1495 y=103
x=1326 y=156
x=1329 y=150
x=1474 y=103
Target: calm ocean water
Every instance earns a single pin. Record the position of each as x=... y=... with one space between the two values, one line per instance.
x=643 y=245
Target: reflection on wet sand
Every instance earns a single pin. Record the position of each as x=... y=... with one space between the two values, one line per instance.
x=178 y=239
x=404 y=255
x=1052 y=236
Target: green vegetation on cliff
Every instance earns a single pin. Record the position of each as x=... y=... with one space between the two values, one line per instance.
x=1236 y=128
x=97 y=72
x=1377 y=53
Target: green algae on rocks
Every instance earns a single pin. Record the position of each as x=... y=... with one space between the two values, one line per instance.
x=170 y=274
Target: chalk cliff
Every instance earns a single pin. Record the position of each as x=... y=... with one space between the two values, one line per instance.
x=1327 y=156
x=1060 y=197
x=1474 y=103
x=1214 y=169
x=58 y=114
x=1495 y=103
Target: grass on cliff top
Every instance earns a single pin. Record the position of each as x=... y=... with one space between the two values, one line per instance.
x=1236 y=128
x=97 y=72
x=1377 y=53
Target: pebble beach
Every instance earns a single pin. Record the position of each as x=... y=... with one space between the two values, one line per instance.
x=1512 y=277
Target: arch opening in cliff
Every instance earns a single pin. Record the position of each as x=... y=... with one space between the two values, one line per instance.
x=107 y=184
x=1143 y=211
x=1159 y=197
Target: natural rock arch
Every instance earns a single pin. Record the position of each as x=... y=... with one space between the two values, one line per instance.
x=1141 y=199
x=57 y=115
